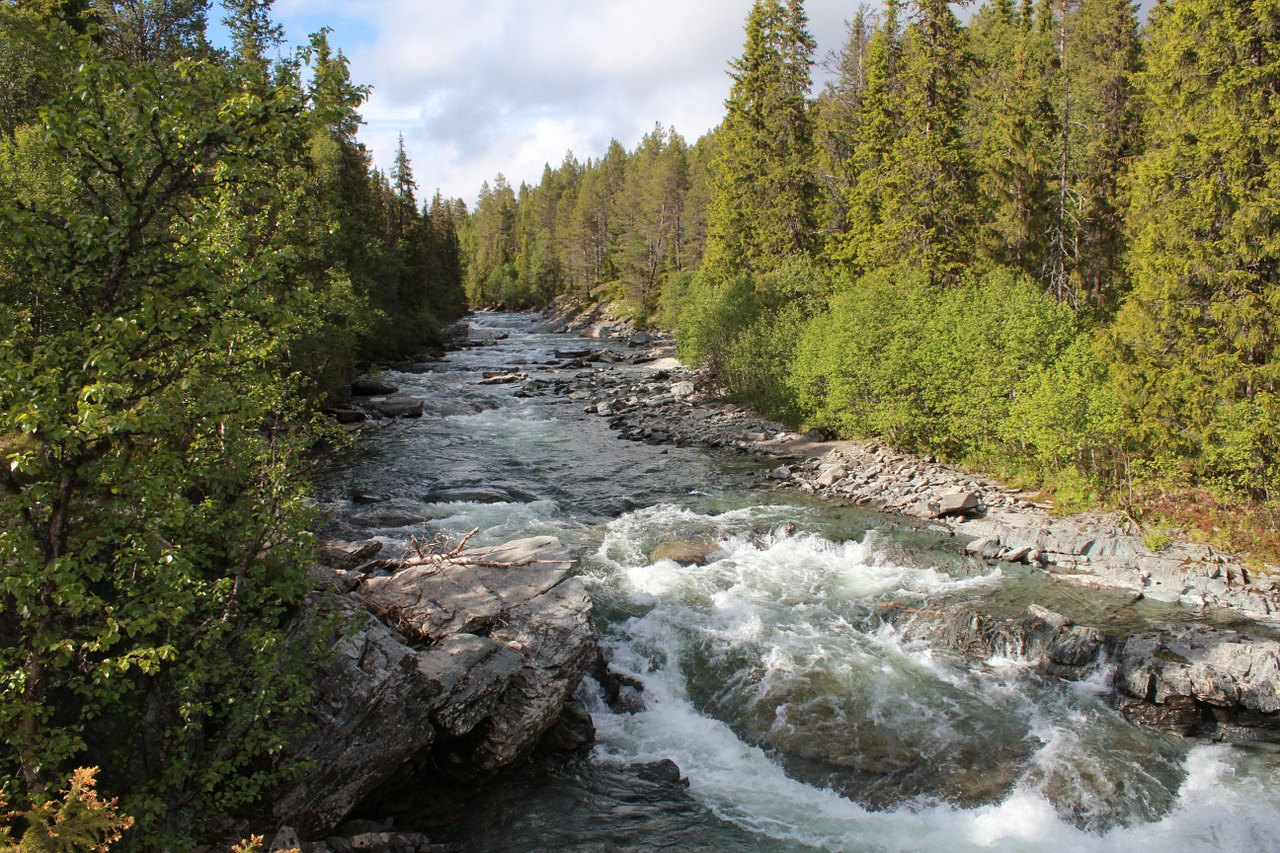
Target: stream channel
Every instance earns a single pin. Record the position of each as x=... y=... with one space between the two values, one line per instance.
x=800 y=721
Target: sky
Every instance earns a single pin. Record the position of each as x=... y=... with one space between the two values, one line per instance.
x=479 y=87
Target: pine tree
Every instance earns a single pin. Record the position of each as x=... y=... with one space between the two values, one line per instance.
x=1105 y=56
x=1010 y=129
x=1197 y=336
x=837 y=114
x=154 y=30
x=403 y=184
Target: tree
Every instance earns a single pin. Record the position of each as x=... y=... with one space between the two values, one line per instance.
x=33 y=60
x=1106 y=59
x=1010 y=128
x=253 y=33
x=152 y=511
x=1196 y=339
x=403 y=185
x=838 y=113
x=153 y=30
x=764 y=193
x=914 y=201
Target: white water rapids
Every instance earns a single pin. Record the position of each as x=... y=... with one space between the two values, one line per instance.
x=801 y=721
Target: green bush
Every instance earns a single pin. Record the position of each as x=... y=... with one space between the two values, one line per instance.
x=969 y=371
x=745 y=330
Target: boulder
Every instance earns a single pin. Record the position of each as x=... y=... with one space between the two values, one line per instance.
x=1195 y=679
x=431 y=602
x=487 y=653
x=371 y=712
x=680 y=390
x=1046 y=638
x=400 y=407
x=371 y=386
x=503 y=378
x=342 y=554
x=957 y=503
x=686 y=553
x=557 y=643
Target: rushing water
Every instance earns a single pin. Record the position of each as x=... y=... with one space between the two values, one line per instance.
x=800 y=721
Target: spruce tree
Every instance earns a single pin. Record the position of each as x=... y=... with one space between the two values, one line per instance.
x=1010 y=129
x=764 y=193
x=915 y=199
x=1105 y=58
x=1197 y=337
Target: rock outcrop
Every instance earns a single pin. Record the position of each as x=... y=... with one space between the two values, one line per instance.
x=1198 y=680
x=473 y=657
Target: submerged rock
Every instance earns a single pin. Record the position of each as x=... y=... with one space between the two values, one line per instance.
x=399 y=407
x=695 y=553
x=1042 y=636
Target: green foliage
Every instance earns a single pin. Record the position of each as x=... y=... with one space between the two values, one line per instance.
x=743 y=329
x=764 y=195
x=930 y=369
x=914 y=198
x=154 y=274
x=32 y=62
x=1196 y=341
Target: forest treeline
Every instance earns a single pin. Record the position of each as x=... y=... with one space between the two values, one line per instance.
x=194 y=252
x=1043 y=241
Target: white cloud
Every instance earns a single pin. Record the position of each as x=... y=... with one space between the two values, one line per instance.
x=485 y=86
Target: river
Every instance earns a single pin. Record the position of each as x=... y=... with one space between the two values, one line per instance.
x=800 y=721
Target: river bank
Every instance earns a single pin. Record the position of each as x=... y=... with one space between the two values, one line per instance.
x=1198 y=681
x=760 y=634
x=666 y=402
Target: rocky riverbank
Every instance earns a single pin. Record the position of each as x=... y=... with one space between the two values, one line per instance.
x=461 y=659
x=458 y=665
x=1184 y=679
x=657 y=399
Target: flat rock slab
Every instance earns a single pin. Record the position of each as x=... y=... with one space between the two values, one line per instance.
x=509 y=637
x=557 y=643
x=433 y=601
x=342 y=554
x=400 y=407
x=368 y=386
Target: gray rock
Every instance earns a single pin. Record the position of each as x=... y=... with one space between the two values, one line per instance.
x=557 y=642
x=686 y=553
x=381 y=701
x=286 y=838
x=370 y=386
x=1225 y=669
x=986 y=548
x=503 y=378
x=400 y=407
x=370 y=713
x=342 y=554
x=957 y=503
x=680 y=390
x=470 y=674
x=397 y=513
